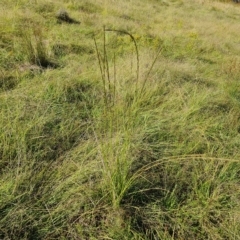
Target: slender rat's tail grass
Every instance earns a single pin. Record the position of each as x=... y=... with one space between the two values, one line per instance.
x=119 y=119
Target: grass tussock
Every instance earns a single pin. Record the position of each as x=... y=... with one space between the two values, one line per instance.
x=135 y=135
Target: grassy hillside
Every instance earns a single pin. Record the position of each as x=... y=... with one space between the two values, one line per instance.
x=119 y=119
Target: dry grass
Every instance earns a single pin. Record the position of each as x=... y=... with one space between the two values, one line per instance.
x=123 y=153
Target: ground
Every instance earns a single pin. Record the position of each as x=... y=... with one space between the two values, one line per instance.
x=119 y=119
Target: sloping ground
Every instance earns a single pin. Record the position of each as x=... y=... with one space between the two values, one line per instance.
x=119 y=119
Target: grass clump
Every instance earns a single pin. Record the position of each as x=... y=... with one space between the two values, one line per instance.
x=36 y=49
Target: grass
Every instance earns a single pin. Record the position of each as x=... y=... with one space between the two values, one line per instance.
x=125 y=126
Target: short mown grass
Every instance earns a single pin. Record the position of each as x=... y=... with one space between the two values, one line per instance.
x=124 y=126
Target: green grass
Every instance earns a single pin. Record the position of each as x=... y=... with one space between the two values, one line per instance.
x=131 y=133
